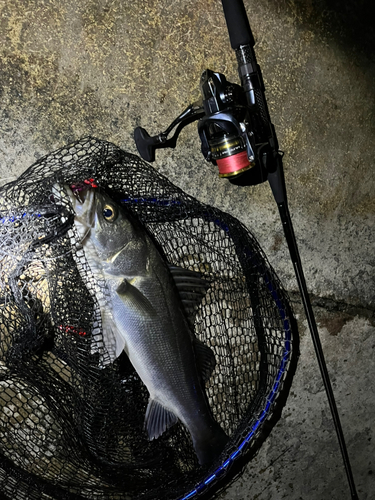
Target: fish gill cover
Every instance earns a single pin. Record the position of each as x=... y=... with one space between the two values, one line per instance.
x=72 y=413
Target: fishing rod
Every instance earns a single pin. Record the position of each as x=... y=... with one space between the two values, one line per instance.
x=237 y=136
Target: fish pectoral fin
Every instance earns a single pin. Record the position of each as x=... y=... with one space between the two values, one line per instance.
x=205 y=359
x=157 y=419
x=135 y=300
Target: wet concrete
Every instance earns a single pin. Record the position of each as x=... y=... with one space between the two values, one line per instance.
x=74 y=68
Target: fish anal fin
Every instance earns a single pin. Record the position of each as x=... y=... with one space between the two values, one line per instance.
x=205 y=359
x=157 y=419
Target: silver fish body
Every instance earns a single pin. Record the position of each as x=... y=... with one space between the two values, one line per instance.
x=148 y=321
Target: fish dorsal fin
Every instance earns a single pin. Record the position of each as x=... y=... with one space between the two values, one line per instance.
x=205 y=359
x=191 y=288
x=157 y=419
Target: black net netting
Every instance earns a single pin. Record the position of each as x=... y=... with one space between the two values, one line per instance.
x=71 y=414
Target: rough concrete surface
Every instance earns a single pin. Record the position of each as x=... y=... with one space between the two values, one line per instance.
x=72 y=68
x=301 y=459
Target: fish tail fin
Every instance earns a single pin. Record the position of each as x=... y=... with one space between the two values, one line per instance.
x=210 y=445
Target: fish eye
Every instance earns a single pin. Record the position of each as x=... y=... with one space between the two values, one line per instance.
x=109 y=213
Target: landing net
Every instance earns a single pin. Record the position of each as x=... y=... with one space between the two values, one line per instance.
x=71 y=423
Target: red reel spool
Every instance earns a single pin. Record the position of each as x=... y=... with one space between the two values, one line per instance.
x=234 y=165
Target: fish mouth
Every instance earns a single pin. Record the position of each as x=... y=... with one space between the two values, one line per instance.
x=83 y=201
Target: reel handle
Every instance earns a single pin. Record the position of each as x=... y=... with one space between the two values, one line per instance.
x=146 y=144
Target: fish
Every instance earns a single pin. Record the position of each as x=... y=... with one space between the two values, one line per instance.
x=148 y=319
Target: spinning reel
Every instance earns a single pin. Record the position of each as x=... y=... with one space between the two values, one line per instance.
x=233 y=124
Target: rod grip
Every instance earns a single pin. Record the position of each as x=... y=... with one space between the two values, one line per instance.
x=238 y=23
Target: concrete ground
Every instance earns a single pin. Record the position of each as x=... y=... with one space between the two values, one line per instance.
x=71 y=68
x=301 y=459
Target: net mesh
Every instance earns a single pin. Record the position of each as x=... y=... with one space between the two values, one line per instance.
x=71 y=419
